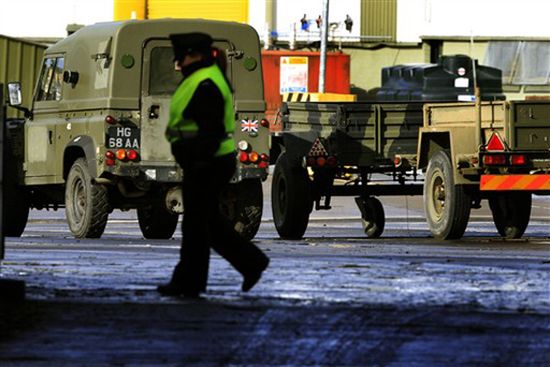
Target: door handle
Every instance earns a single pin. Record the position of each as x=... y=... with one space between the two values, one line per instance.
x=154 y=111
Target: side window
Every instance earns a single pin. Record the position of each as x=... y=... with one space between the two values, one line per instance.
x=51 y=80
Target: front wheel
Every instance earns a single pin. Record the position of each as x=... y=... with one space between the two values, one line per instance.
x=242 y=203
x=86 y=204
x=511 y=213
x=16 y=210
x=290 y=199
x=447 y=205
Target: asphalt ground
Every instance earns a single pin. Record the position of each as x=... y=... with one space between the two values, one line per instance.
x=333 y=298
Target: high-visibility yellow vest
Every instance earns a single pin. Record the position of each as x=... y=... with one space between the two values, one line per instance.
x=180 y=127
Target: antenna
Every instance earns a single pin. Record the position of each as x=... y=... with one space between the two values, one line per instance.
x=474 y=69
x=324 y=40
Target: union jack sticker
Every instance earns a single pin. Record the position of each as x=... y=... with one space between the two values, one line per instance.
x=249 y=126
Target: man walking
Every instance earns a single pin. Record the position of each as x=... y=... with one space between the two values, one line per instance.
x=202 y=121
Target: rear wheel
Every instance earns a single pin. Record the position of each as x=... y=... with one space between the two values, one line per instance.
x=447 y=205
x=290 y=199
x=156 y=222
x=242 y=203
x=511 y=213
x=86 y=204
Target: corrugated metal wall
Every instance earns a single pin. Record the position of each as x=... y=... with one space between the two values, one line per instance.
x=230 y=10
x=20 y=61
x=235 y=10
x=379 y=18
x=129 y=9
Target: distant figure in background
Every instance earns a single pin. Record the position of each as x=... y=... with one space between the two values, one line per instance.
x=305 y=24
x=319 y=20
x=348 y=22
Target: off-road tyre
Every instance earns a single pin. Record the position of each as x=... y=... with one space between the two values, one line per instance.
x=156 y=222
x=290 y=198
x=16 y=203
x=373 y=217
x=447 y=206
x=16 y=210
x=242 y=203
x=511 y=212
x=86 y=204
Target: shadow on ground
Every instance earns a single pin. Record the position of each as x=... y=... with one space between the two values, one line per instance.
x=205 y=332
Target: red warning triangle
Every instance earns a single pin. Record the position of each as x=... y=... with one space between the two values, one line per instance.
x=317 y=150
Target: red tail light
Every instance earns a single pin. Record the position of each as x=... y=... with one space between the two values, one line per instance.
x=263 y=164
x=495 y=143
x=321 y=161
x=331 y=161
x=243 y=157
x=494 y=160
x=397 y=161
x=132 y=155
x=264 y=157
x=110 y=120
x=264 y=123
x=109 y=158
x=518 y=160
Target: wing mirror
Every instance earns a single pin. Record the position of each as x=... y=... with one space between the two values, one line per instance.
x=14 y=92
x=16 y=98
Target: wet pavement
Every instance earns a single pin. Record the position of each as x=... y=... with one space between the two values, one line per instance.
x=333 y=298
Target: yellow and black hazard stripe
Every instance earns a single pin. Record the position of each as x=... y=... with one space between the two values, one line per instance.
x=296 y=97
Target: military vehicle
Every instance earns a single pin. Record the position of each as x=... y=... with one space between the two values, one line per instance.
x=93 y=139
x=412 y=142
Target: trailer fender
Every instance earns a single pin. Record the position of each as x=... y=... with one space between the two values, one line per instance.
x=81 y=146
x=429 y=144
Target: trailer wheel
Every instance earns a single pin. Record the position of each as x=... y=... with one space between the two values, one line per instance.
x=242 y=203
x=86 y=204
x=290 y=199
x=372 y=216
x=511 y=213
x=447 y=205
x=156 y=222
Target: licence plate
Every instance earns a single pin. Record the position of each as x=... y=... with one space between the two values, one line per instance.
x=122 y=137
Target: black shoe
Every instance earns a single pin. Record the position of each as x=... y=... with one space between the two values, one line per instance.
x=174 y=290
x=251 y=279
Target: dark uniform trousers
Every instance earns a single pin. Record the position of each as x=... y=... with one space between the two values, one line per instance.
x=204 y=225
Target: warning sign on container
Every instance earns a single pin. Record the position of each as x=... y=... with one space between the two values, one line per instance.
x=293 y=74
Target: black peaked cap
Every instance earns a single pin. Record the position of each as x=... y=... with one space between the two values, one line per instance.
x=186 y=43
